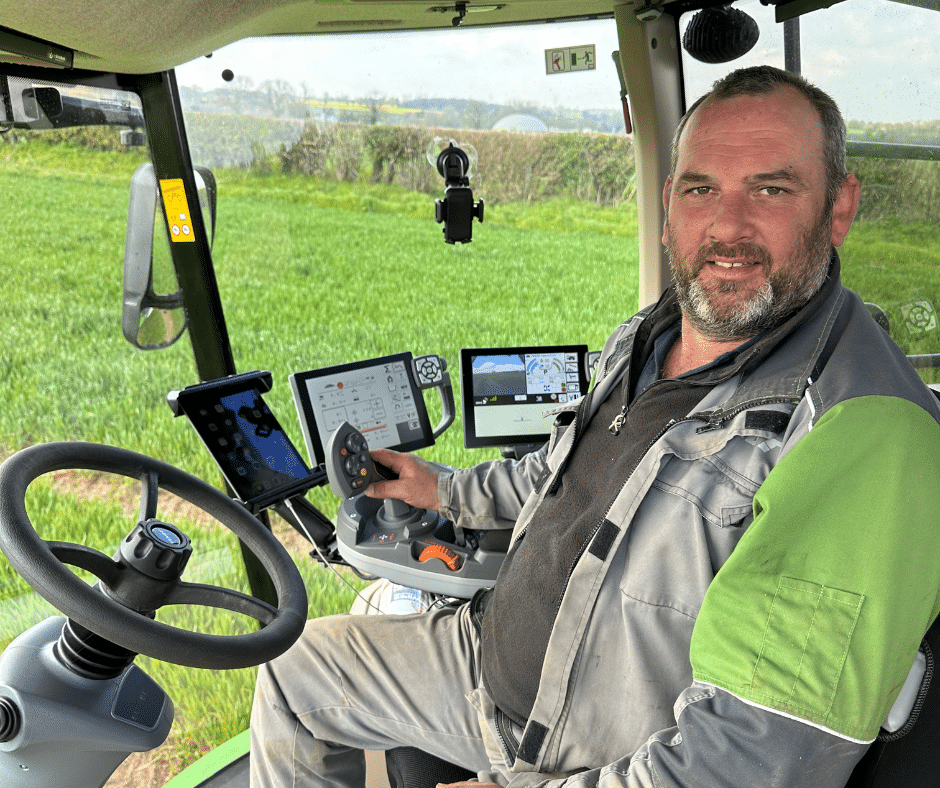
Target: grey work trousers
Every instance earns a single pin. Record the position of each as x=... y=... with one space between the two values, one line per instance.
x=375 y=682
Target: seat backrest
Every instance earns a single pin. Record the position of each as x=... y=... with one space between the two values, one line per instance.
x=409 y=767
x=909 y=757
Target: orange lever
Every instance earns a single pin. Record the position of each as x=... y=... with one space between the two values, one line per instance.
x=445 y=554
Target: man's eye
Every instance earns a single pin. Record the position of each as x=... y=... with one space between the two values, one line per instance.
x=700 y=190
x=772 y=191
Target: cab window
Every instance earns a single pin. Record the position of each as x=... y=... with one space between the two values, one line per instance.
x=325 y=157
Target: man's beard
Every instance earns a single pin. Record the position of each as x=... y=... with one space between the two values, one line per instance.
x=782 y=293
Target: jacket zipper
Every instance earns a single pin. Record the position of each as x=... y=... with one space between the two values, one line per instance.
x=617 y=424
x=580 y=419
x=505 y=735
x=715 y=420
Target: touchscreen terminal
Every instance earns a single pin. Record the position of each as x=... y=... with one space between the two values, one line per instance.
x=247 y=442
x=379 y=397
x=506 y=391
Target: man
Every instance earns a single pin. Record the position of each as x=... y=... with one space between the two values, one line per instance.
x=722 y=563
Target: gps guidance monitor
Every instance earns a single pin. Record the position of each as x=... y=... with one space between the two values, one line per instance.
x=506 y=391
x=379 y=397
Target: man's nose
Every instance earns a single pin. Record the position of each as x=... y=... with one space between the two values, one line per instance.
x=732 y=221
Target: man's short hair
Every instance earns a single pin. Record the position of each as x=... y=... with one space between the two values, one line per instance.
x=760 y=80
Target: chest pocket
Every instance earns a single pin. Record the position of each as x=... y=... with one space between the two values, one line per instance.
x=693 y=517
x=719 y=495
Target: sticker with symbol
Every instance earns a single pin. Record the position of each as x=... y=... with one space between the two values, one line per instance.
x=174 y=200
x=919 y=317
x=567 y=59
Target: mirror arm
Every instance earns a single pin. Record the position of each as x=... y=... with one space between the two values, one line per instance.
x=208 y=178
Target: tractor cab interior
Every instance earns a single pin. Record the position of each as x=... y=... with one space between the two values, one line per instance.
x=350 y=224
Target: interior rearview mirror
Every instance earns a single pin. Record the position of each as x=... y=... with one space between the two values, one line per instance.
x=28 y=104
x=154 y=316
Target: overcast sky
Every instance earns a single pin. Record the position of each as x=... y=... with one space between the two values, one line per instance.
x=877 y=58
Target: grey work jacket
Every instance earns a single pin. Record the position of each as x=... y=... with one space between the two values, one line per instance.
x=617 y=702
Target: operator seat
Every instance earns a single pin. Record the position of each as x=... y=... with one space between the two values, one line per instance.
x=409 y=767
x=909 y=757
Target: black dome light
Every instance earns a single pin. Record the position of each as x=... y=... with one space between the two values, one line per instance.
x=720 y=35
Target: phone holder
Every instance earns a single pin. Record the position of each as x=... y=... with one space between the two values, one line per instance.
x=457 y=210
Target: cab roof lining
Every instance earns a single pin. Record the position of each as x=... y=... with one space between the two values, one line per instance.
x=142 y=36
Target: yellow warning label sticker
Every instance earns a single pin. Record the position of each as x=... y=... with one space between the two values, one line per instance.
x=177 y=210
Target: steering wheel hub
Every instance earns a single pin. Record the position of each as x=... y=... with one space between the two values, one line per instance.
x=157 y=549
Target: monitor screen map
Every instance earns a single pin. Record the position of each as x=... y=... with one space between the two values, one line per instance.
x=510 y=389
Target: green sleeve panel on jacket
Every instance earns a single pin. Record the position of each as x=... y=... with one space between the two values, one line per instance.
x=820 y=609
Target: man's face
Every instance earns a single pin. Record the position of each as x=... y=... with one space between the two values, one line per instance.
x=747 y=226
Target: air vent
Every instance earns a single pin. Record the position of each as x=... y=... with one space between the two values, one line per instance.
x=10 y=720
x=367 y=23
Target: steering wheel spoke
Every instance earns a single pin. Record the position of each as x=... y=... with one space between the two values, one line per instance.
x=101 y=566
x=149 y=493
x=224 y=599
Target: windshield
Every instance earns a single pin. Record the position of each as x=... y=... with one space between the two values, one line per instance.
x=874 y=57
x=327 y=170
x=327 y=249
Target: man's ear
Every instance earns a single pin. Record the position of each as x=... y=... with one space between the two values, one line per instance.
x=845 y=208
x=666 y=191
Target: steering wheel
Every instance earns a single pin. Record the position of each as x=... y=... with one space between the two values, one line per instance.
x=42 y=563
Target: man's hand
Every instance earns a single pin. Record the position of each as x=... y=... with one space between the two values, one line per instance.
x=416 y=483
x=469 y=784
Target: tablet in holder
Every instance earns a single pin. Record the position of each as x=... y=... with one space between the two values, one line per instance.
x=507 y=390
x=245 y=439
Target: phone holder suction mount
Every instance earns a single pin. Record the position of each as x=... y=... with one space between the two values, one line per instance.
x=457 y=210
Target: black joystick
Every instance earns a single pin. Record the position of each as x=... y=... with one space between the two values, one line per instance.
x=349 y=467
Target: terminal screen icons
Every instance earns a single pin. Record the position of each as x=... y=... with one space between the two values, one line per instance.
x=377 y=401
x=379 y=397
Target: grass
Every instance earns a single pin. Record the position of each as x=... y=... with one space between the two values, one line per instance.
x=896 y=265
x=311 y=273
